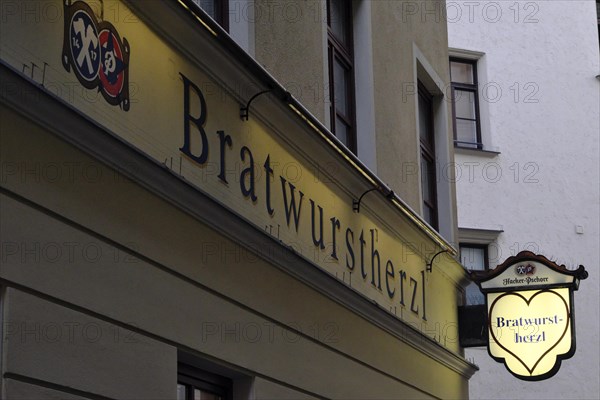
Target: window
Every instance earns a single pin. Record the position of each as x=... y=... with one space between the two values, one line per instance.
x=217 y=9
x=428 y=173
x=196 y=384
x=598 y=17
x=474 y=257
x=341 y=71
x=465 y=110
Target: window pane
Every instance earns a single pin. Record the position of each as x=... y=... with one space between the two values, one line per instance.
x=473 y=258
x=473 y=295
x=341 y=131
x=340 y=85
x=208 y=6
x=427 y=181
x=427 y=215
x=338 y=19
x=464 y=104
x=180 y=392
x=202 y=395
x=466 y=132
x=461 y=72
x=424 y=120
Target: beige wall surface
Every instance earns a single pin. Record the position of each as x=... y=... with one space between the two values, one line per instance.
x=396 y=32
x=290 y=39
x=293 y=47
x=51 y=343
x=17 y=390
x=109 y=262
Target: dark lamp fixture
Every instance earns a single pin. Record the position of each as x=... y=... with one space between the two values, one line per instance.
x=356 y=203
x=245 y=111
x=429 y=265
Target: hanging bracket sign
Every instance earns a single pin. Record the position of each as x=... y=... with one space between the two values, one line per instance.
x=531 y=323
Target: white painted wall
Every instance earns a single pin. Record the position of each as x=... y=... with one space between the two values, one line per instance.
x=549 y=182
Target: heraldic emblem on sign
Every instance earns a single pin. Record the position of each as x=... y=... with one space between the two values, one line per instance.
x=522 y=269
x=95 y=51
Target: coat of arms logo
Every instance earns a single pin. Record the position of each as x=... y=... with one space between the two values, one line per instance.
x=525 y=269
x=96 y=52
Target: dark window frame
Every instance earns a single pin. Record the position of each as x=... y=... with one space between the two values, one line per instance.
x=486 y=266
x=337 y=50
x=221 y=13
x=466 y=87
x=477 y=246
x=428 y=155
x=598 y=17
x=194 y=378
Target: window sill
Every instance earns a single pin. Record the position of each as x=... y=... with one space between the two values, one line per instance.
x=475 y=152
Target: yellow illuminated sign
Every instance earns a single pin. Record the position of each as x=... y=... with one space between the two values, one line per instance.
x=530 y=329
x=530 y=320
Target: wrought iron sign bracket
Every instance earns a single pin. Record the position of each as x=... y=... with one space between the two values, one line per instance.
x=245 y=111
x=356 y=203
x=429 y=265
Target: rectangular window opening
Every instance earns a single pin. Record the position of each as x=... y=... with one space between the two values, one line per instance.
x=341 y=71
x=428 y=160
x=217 y=10
x=465 y=103
x=474 y=257
x=197 y=384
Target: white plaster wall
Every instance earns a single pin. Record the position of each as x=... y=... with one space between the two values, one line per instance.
x=549 y=181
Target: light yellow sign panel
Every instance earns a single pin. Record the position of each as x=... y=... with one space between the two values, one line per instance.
x=530 y=329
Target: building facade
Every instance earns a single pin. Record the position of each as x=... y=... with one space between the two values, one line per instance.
x=525 y=84
x=239 y=199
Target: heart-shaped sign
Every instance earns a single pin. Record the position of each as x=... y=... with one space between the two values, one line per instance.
x=529 y=329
